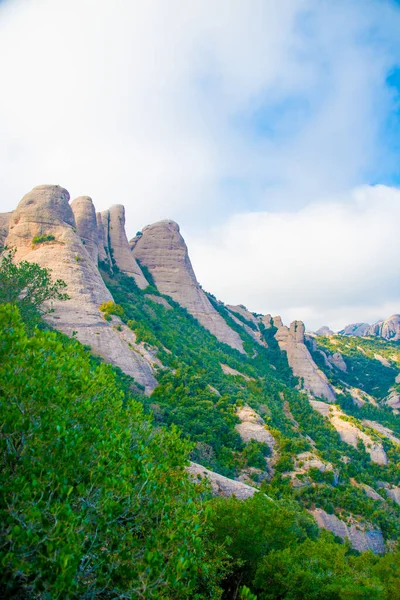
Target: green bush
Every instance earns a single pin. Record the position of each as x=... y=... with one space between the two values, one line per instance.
x=42 y=239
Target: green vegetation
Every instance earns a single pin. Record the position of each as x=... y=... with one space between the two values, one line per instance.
x=42 y=239
x=94 y=497
x=28 y=287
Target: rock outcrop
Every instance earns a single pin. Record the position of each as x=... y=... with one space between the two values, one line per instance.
x=162 y=249
x=43 y=230
x=4 y=221
x=300 y=360
x=325 y=331
x=355 y=329
x=121 y=255
x=252 y=427
x=350 y=433
x=251 y=327
x=337 y=361
x=102 y=240
x=86 y=225
x=220 y=485
x=389 y=329
x=361 y=537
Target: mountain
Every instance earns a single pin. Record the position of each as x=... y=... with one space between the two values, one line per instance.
x=309 y=419
x=389 y=329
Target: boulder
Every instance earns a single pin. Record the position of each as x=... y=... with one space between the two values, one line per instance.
x=121 y=255
x=162 y=249
x=300 y=360
x=252 y=427
x=45 y=211
x=86 y=225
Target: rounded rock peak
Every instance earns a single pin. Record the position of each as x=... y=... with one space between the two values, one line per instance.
x=82 y=200
x=45 y=203
x=164 y=223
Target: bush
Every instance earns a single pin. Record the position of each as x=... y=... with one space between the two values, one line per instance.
x=93 y=501
x=42 y=239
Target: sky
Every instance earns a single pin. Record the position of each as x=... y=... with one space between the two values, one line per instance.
x=270 y=131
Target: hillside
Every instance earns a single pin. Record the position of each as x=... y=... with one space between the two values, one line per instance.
x=311 y=421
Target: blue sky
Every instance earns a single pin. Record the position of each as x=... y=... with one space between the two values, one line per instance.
x=224 y=116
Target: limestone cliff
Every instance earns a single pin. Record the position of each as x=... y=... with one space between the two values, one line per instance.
x=162 y=249
x=291 y=340
x=388 y=329
x=114 y=227
x=43 y=230
x=86 y=225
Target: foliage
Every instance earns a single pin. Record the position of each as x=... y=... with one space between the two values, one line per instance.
x=94 y=501
x=28 y=286
x=42 y=239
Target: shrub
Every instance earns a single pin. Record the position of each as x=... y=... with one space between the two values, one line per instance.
x=42 y=239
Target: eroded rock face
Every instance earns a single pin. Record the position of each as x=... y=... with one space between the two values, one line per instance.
x=252 y=427
x=46 y=211
x=114 y=228
x=350 y=433
x=162 y=249
x=337 y=361
x=220 y=485
x=361 y=537
x=102 y=239
x=355 y=329
x=300 y=360
x=4 y=220
x=388 y=329
x=253 y=331
x=86 y=225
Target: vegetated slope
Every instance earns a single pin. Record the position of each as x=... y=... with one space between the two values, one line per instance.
x=95 y=502
x=195 y=393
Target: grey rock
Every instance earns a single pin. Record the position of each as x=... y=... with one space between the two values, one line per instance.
x=162 y=249
x=46 y=211
x=325 y=331
x=4 y=220
x=114 y=225
x=86 y=225
x=220 y=485
x=388 y=329
x=355 y=329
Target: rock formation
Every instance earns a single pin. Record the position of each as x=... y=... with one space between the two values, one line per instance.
x=162 y=249
x=102 y=240
x=43 y=230
x=389 y=329
x=350 y=433
x=361 y=537
x=4 y=220
x=220 y=485
x=254 y=330
x=325 y=331
x=121 y=255
x=355 y=329
x=252 y=427
x=86 y=225
x=337 y=361
x=300 y=360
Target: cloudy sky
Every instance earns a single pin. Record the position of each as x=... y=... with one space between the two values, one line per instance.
x=269 y=130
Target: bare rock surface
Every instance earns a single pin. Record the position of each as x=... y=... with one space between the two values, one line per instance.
x=369 y=491
x=220 y=485
x=355 y=329
x=381 y=429
x=300 y=360
x=388 y=329
x=86 y=225
x=252 y=427
x=393 y=400
x=266 y=320
x=45 y=211
x=350 y=433
x=103 y=249
x=114 y=226
x=227 y=370
x=162 y=249
x=338 y=362
x=4 y=220
x=255 y=334
x=362 y=538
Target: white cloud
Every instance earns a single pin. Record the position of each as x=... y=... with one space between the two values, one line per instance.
x=325 y=263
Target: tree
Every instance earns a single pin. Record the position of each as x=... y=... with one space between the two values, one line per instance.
x=28 y=285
